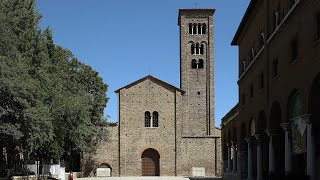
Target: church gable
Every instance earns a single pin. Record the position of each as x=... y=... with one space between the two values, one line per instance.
x=147 y=96
x=151 y=79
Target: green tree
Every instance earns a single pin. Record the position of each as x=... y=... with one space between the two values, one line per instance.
x=50 y=103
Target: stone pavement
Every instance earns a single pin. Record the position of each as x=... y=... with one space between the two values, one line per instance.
x=151 y=178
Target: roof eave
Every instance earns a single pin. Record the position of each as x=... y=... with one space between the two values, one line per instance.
x=243 y=22
x=149 y=76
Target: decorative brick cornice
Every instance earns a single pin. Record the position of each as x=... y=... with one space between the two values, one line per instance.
x=195 y=13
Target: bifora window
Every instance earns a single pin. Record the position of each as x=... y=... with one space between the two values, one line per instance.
x=197 y=49
x=151 y=121
x=197 y=64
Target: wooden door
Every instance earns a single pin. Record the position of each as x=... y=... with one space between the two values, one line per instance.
x=150 y=163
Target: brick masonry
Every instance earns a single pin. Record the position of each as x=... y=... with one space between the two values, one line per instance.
x=186 y=136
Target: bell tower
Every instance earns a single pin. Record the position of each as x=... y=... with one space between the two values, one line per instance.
x=196 y=70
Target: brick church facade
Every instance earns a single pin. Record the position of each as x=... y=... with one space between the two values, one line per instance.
x=164 y=130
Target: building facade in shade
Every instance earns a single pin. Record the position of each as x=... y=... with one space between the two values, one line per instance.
x=274 y=130
x=164 y=130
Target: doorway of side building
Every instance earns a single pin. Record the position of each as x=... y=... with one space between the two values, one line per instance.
x=150 y=162
x=314 y=107
x=106 y=165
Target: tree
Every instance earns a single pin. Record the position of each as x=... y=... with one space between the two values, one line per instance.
x=50 y=103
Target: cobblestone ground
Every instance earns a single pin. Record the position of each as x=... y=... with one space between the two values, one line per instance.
x=151 y=178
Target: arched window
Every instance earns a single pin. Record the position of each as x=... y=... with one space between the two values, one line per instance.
x=201 y=49
x=155 y=117
x=194 y=64
x=296 y=108
x=199 y=28
x=200 y=64
x=194 y=28
x=204 y=29
x=190 y=28
x=197 y=48
x=192 y=48
x=147 y=119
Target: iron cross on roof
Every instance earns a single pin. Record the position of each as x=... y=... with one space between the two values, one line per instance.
x=196 y=5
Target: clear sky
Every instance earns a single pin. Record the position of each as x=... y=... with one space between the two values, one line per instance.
x=125 y=39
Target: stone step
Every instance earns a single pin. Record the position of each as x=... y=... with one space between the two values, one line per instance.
x=150 y=178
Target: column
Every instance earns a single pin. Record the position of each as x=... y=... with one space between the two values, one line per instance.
x=271 y=133
x=192 y=29
x=310 y=149
x=229 y=158
x=259 y=156
x=234 y=169
x=288 y=154
x=249 y=141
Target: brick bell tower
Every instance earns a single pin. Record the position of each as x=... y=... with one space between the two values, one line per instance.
x=196 y=71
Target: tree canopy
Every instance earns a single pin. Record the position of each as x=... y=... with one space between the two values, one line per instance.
x=50 y=102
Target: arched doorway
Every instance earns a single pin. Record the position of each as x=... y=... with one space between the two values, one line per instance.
x=295 y=110
x=262 y=126
x=150 y=162
x=225 y=152
x=234 y=150
x=314 y=109
x=251 y=133
x=278 y=139
x=106 y=165
x=243 y=159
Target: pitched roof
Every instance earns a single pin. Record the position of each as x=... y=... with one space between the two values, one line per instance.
x=244 y=21
x=152 y=78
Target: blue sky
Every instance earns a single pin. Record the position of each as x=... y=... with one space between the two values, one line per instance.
x=125 y=39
